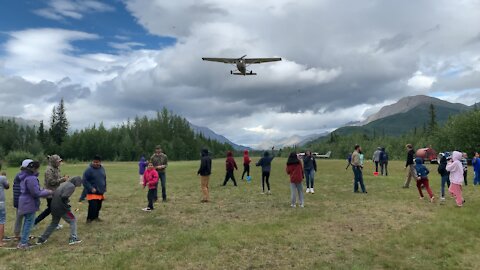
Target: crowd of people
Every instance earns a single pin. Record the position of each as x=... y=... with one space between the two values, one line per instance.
x=58 y=188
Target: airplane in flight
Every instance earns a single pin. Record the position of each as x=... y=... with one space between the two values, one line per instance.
x=242 y=63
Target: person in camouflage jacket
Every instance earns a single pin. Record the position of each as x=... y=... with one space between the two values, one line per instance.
x=160 y=162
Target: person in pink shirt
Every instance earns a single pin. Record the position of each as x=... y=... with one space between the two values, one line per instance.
x=455 y=168
x=150 y=179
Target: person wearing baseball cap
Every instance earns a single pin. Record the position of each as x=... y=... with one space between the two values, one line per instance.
x=29 y=200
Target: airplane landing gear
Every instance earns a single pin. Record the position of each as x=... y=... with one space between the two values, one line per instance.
x=231 y=72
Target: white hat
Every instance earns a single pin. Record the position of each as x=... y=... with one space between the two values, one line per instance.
x=26 y=162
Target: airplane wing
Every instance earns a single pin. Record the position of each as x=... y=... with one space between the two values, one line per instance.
x=261 y=60
x=221 y=60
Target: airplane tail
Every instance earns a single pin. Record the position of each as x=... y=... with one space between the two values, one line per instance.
x=328 y=154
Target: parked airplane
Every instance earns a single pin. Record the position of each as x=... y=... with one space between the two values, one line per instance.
x=242 y=63
x=327 y=155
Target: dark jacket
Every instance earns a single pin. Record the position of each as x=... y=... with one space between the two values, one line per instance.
x=205 y=164
x=265 y=162
x=95 y=178
x=60 y=199
x=16 y=189
x=230 y=163
x=410 y=159
x=383 y=156
x=442 y=167
x=309 y=163
x=422 y=171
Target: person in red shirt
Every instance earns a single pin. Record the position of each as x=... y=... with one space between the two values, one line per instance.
x=295 y=170
x=246 y=164
x=230 y=164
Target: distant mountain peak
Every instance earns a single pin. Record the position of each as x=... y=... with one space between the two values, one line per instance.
x=407 y=103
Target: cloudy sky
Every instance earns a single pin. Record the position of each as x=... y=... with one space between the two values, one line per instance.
x=342 y=60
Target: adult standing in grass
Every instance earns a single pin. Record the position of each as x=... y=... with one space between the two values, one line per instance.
x=204 y=171
x=230 y=165
x=295 y=171
x=310 y=167
x=3 y=215
x=357 y=169
x=456 y=177
x=476 y=169
x=95 y=182
x=61 y=209
x=160 y=162
x=246 y=164
x=444 y=174
x=409 y=166
x=29 y=200
x=266 y=163
x=376 y=158
x=384 y=162
x=53 y=179
x=17 y=229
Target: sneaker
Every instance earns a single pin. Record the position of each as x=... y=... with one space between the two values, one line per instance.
x=146 y=209
x=442 y=199
x=263 y=192
x=308 y=190
x=421 y=198
x=74 y=240
x=293 y=205
x=312 y=191
x=41 y=241
x=24 y=246
x=302 y=206
x=432 y=199
x=269 y=192
x=59 y=227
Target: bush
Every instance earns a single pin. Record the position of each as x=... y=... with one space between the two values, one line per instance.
x=15 y=158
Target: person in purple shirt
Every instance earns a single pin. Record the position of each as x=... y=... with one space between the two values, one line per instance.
x=29 y=200
x=142 y=165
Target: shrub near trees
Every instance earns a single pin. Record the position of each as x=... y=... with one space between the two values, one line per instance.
x=125 y=142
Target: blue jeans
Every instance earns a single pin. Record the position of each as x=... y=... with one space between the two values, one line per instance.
x=310 y=177
x=445 y=180
x=163 y=182
x=28 y=221
x=476 y=179
x=357 y=173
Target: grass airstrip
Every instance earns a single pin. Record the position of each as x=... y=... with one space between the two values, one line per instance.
x=388 y=228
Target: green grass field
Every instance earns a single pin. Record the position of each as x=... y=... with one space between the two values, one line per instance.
x=388 y=228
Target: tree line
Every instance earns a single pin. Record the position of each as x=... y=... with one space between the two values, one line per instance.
x=125 y=142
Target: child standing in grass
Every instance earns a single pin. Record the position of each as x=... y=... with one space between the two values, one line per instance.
x=230 y=164
x=150 y=178
x=142 y=165
x=456 y=177
x=3 y=185
x=444 y=174
x=295 y=170
x=266 y=163
x=476 y=169
x=422 y=178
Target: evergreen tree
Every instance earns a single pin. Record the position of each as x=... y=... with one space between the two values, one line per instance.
x=59 y=124
x=432 y=125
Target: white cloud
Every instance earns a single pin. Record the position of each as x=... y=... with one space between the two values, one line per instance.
x=73 y=9
x=420 y=81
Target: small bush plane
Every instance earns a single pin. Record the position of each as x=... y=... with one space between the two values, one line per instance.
x=242 y=63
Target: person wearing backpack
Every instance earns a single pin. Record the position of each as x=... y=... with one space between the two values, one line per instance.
x=444 y=174
x=384 y=162
x=422 y=179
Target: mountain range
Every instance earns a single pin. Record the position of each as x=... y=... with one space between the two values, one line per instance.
x=208 y=133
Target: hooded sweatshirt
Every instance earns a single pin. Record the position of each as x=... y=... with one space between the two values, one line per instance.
x=52 y=173
x=294 y=169
x=150 y=178
x=205 y=164
x=142 y=165
x=95 y=178
x=230 y=163
x=16 y=187
x=29 y=200
x=456 y=168
x=422 y=171
x=265 y=162
x=246 y=158
x=60 y=199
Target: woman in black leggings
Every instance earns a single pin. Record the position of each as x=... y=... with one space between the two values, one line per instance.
x=266 y=162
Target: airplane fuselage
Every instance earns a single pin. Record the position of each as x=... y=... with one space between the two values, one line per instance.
x=241 y=66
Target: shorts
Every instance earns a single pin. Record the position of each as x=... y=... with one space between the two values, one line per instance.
x=3 y=214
